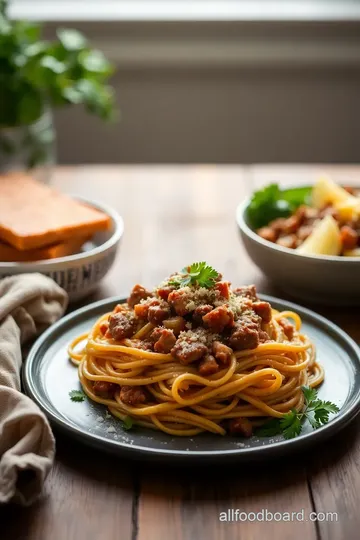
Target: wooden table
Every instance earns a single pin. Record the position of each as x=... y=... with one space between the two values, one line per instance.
x=175 y=215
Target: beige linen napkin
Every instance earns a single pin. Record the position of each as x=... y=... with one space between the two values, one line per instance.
x=29 y=303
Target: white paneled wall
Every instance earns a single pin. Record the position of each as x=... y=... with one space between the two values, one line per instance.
x=225 y=92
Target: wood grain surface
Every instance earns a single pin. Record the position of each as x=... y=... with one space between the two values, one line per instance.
x=174 y=215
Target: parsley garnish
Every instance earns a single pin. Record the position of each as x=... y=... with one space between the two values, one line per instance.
x=316 y=412
x=198 y=273
x=77 y=395
x=271 y=202
x=127 y=423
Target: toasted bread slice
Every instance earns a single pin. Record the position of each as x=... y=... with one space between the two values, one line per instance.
x=10 y=254
x=33 y=215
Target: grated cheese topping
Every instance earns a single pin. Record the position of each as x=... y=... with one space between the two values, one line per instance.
x=199 y=335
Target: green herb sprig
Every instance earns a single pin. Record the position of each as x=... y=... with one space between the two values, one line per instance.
x=199 y=273
x=77 y=395
x=316 y=411
x=127 y=423
x=271 y=202
x=36 y=73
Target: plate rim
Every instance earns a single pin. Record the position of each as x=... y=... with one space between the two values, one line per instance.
x=134 y=450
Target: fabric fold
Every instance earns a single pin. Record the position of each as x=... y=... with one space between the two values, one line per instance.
x=29 y=303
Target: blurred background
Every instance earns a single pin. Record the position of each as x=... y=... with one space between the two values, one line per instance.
x=226 y=81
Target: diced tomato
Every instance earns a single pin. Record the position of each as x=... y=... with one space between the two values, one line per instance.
x=224 y=288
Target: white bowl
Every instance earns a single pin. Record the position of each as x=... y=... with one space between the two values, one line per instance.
x=78 y=274
x=324 y=279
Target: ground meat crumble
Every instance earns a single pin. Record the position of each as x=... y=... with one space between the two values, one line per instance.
x=195 y=324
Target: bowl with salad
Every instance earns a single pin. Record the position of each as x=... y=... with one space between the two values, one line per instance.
x=306 y=239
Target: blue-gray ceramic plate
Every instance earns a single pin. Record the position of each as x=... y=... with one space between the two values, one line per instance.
x=49 y=376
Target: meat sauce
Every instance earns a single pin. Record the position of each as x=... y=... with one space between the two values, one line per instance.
x=291 y=232
x=197 y=326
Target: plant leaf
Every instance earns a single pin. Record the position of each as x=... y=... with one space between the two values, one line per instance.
x=297 y=196
x=127 y=423
x=30 y=66
x=293 y=429
x=270 y=202
x=50 y=63
x=288 y=419
x=291 y=424
x=3 y=7
x=327 y=406
x=95 y=61
x=29 y=107
x=316 y=411
x=71 y=39
x=77 y=395
x=315 y=424
x=309 y=394
x=321 y=416
x=269 y=429
x=202 y=274
x=26 y=31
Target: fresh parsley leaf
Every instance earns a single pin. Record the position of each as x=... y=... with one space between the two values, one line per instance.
x=263 y=208
x=77 y=395
x=287 y=420
x=316 y=411
x=327 y=406
x=270 y=203
x=315 y=424
x=185 y=281
x=309 y=394
x=322 y=411
x=266 y=194
x=321 y=416
x=297 y=196
x=202 y=274
x=269 y=429
x=197 y=273
x=179 y=281
x=292 y=428
x=127 y=423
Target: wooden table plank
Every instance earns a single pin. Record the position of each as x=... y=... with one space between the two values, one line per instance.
x=173 y=216
x=87 y=495
x=335 y=485
x=187 y=505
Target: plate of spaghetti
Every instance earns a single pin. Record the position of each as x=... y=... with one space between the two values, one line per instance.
x=195 y=369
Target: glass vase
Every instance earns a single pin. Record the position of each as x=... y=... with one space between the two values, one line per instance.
x=29 y=148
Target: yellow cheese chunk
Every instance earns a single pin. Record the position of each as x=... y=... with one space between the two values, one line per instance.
x=325 y=191
x=349 y=209
x=324 y=240
x=352 y=252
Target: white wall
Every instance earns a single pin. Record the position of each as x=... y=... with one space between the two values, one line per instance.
x=224 y=92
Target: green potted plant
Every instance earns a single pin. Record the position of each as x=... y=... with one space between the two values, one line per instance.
x=37 y=75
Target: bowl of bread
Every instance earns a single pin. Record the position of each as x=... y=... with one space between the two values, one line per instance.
x=70 y=239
